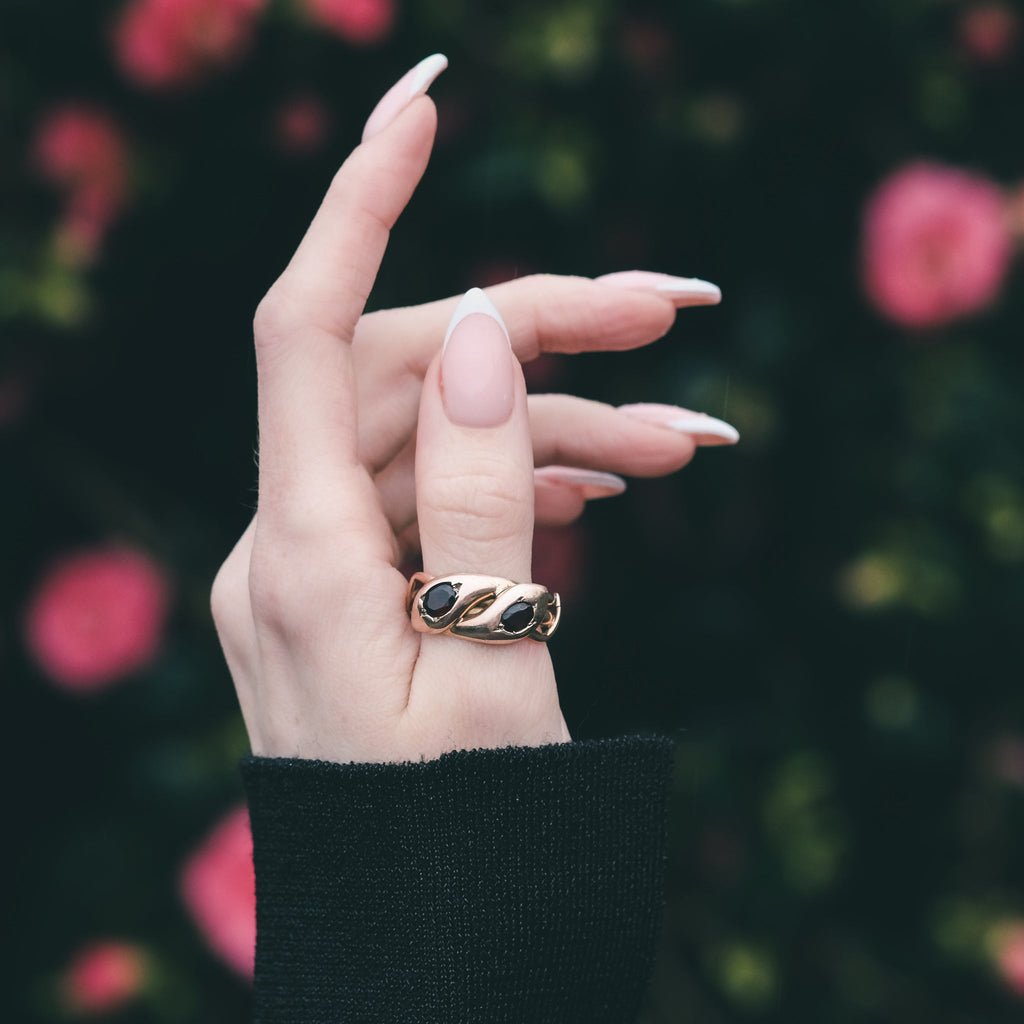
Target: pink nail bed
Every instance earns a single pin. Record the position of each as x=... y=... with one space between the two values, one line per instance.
x=412 y=84
x=590 y=482
x=704 y=429
x=683 y=291
x=477 y=365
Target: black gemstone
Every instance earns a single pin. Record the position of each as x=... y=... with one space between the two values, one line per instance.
x=517 y=617
x=440 y=599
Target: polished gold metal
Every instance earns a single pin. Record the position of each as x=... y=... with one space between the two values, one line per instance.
x=479 y=604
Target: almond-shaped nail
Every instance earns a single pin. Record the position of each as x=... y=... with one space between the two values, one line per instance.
x=704 y=429
x=477 y=365
x=591 y=483
x=412 y=84
x=683 y=291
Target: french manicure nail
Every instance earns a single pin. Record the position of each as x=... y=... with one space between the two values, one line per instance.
x=590 y=482
x=412 y=84
x=683 y=291
x=477 y=365
x=704 y=429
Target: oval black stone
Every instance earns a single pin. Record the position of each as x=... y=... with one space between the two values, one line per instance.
x=440 y=599
x=516 y=617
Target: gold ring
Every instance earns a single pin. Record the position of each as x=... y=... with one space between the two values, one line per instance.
x=487 y=609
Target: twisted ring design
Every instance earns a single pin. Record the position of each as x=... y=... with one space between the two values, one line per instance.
x=487 y=609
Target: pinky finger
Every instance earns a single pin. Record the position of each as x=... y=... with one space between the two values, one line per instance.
x=562 y=492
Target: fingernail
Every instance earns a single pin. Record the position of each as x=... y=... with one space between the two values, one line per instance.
x=477 y=365
x=412 y=84
x=683 y=291
x=590 y=482
x=704 y=429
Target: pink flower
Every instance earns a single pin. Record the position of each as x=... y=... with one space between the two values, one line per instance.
x=1009 y=957
x=169 y=43
x=218 y=886
x=362 y=22
x=988 y=32
x=102 y=977
x=97 y=616
x=936 y=244
x=302 y=124
x=82 y=151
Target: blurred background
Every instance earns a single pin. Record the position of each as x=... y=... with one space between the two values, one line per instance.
x=839 y=598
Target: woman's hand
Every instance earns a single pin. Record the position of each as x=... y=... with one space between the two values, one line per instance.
x=372 y=442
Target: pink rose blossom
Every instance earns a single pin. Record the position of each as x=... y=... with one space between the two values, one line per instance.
x=218 y=886
x=97 y=616
x=362 y=22
x=102 y=977
x=173 y=43
x=936 y=244
x=82 y=152
x=988 y=32
x=1009 y=957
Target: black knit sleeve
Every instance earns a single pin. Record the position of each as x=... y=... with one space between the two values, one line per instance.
x=488 y=886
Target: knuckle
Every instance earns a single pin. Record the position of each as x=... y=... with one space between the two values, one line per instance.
x=278 y=602
x=297 y=517
x=228 y=592
x=487 y=504
x=223 y=595
x=293 y=586
x=275 y=316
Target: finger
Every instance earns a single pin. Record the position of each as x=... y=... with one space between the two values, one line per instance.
x=706 y=431
x=578 y=432
x=308 y=430
x=642 y=441
x=555 y=504
x=474 y=484
x=543 y=314
x=560 y=495
x=474 y=458
x=336 y=263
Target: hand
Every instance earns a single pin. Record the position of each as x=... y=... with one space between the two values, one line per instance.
x=366 y=449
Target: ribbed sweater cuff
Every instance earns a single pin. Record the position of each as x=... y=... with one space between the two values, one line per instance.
x=488 y=886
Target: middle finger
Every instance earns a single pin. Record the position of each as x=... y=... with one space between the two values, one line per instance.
x=544 y=313
x=576 y=432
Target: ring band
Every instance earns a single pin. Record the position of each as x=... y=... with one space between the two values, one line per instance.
x=487 y=609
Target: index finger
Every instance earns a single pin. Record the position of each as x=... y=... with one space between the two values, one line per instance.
x=305 y=324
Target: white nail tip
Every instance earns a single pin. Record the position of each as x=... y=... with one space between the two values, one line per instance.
x=474 y=301
x=698 y=423
x=425 y=72
x=689 y=286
